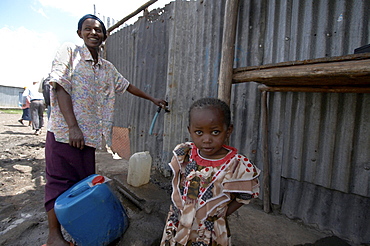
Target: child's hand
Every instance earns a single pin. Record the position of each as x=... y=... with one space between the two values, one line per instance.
x=222 y=212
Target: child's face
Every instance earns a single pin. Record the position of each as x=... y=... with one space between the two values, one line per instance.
x=209 y=132
x=92 y=33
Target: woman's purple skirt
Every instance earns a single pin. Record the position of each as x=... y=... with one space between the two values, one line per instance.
x=65 y=166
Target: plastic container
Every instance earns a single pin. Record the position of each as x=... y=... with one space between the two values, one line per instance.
x=139 y=166
x=91 y=213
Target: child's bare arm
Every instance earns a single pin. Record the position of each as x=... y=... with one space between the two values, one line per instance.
x=232 y=207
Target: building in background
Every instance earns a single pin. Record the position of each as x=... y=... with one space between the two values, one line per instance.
x=10 y=96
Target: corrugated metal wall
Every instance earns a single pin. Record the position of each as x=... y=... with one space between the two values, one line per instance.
x=318 y=142
x=9 y=96
x=140 y=53
x=195 y=44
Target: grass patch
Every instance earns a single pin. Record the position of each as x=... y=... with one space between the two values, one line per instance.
x=11 y=111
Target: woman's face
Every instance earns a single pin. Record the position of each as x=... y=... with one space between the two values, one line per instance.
x=92 y=33
x=208 y=131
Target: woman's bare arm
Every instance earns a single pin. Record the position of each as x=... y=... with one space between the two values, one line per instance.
x=139 y=93
x=76 y=138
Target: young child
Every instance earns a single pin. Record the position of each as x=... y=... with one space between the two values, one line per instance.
x=211 y=180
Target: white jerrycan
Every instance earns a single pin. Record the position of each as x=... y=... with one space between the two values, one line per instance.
x=139 y=166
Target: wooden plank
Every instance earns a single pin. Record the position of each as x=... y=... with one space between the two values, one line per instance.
x=335 y=89
x=337 y=73
x=307 y=62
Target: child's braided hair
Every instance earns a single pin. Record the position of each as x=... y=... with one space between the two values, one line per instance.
x=213 y=103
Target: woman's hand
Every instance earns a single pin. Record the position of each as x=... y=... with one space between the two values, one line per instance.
x=160 y=102
x=76 y=137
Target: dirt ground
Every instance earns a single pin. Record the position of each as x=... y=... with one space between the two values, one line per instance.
x=22 y=177
x=23 y=219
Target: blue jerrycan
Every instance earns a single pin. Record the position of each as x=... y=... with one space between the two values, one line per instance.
x=91 y=213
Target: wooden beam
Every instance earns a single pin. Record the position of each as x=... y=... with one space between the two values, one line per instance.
x=336 y=72
x=227 y=53
x=351 y=57
x=141 y=8
x=324 y=89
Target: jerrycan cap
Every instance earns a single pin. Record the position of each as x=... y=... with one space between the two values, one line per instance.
x=98 y=180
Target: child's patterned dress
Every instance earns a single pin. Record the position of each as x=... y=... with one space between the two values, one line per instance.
x=202 y=189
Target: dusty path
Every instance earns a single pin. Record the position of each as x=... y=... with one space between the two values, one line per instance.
x=22 y=182
x=23 y=219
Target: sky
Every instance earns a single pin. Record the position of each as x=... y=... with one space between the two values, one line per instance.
x=31 y=31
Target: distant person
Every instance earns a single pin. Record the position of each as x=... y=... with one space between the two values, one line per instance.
x=82 y=100
x=37 y=107
x=25 y=105
x=211 y=180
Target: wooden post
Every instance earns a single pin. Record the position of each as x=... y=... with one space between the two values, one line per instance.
x=265 y=157
x=227 y=53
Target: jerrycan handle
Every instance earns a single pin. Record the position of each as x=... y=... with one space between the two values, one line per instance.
x=78 y=190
